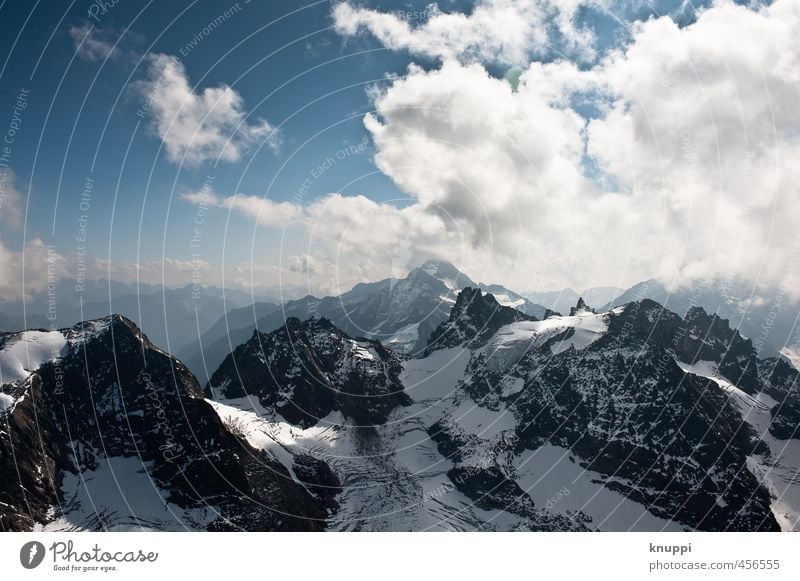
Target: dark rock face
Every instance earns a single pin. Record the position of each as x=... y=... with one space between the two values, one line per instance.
x=113 y=394
x=230 y=330
x=550 y=313
x=306 y=370
x=473 y=320
x=698 y=337
x=670 y=440
x=746 y=306
x=620 y=391
x=706 y=337
x=580 y=306
x=640 y=418
x=781 y=382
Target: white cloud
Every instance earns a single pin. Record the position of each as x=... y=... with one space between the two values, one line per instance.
x=201 y=198
x=688 y=171
x=29 y=270
x=501 y=166
x=697 y=151
x=199 y=126
x=349 y=238
x=507 y=31
x=263 y=210
x=94 y=44
x=11 y=200
x=703 y=137
x=303 y=263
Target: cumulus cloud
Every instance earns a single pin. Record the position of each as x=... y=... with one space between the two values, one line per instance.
x=507 y=31
x=686 y=172
x=198 y=126
x=350 y=239
x=685 y=168
x=503 y=166
x=303 y=263
x=702 y=135
x=28 y=270
x=201 y=198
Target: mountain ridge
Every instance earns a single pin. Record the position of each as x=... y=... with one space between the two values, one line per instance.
x=660 y=423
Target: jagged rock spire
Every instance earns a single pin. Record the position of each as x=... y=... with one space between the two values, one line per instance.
x=581 y=306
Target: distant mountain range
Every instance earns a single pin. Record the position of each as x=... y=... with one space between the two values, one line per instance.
x=767 y=316
x=633 y=418
x=562 y=300
x=172 y=316
x=202 y=325
x=401 y=313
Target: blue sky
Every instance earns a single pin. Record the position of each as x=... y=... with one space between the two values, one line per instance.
x=82 y=117
x=289 y=69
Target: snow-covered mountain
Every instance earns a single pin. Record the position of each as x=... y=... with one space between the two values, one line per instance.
x=767 y=316
x=101 y=430
x=633 y=419
x=630 y=419
x=401 y=313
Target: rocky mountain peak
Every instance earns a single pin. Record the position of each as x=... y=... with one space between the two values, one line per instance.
x=307 y=369
x=581 y=306
x=445 y=271
x=474 y=318
x=101 y=399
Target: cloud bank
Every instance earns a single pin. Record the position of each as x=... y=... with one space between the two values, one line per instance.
x=674 y=156
x=685 y=169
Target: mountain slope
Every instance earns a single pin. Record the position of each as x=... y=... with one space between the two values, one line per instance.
x=767 y=316
x=635 y=410
x=401 y=313
x=308 y=369
x=103 y=431
x=631 y=419
x=620 y=402
x=231 y=329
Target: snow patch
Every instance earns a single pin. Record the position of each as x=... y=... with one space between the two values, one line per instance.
x=560 y=485
x=6 y=402
x=507 y=301
x=364 y=351
x=120 y=495
x=279 y=439
x=26 y=352
x=779 y=473
x=792 y=353
x=484 y=423
x=512 y=386
x=435 y=376
x=512 y=341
